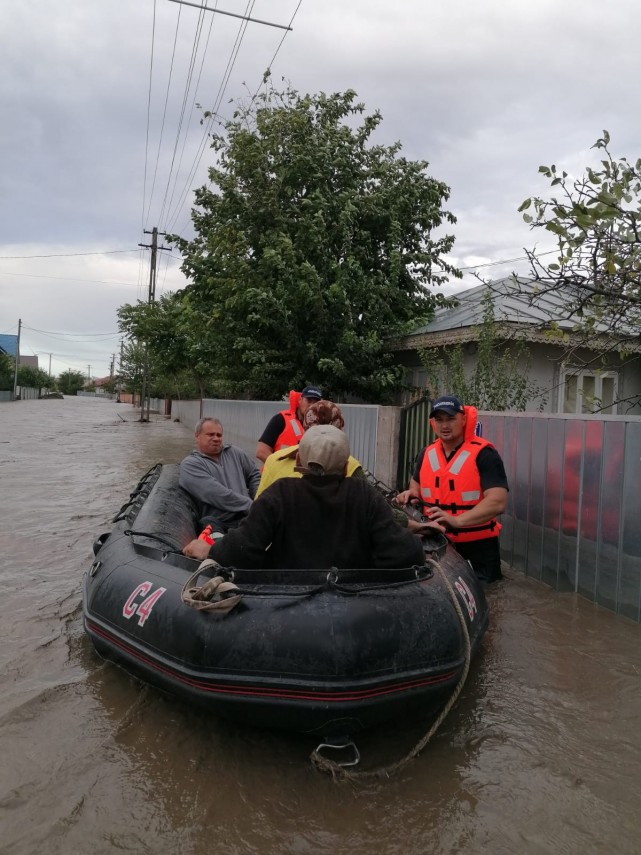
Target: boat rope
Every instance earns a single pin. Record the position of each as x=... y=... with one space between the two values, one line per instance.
x=339 y=773
x=172 y=546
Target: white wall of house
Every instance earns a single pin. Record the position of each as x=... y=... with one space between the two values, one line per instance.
x=566 y=385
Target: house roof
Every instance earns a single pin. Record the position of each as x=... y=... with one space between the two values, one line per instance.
x=521 y=306
x=9 y=344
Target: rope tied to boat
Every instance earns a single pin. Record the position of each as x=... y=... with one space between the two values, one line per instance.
x=216 y=595
x=340 y=773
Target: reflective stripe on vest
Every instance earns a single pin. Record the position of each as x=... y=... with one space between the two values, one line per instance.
x=432 y=456
x=471 y=496
x=295 y=426
x=456 y=467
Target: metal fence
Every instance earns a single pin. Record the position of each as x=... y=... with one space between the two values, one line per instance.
x=244 y=422
x=573 y=515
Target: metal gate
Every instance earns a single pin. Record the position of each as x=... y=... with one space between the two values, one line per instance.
x=415 y=434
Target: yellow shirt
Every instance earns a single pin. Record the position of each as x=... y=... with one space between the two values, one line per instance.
x=281 y=464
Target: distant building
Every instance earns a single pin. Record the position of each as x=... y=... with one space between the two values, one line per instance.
x=9 y=345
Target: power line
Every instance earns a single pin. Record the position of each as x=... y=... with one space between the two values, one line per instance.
x=68 y=254
x=70 y=336
x=509 y=260
x=66 y=278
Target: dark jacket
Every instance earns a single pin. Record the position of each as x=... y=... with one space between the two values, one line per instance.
x=316 y=523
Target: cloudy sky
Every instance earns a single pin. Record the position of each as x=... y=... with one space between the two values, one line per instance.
x=100 y=135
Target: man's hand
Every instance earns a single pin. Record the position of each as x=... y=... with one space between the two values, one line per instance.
x=424 y=528
x=197 y=549
x=446 y=522
x=404 y=497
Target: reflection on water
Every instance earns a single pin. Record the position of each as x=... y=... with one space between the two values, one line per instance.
x=541 y=754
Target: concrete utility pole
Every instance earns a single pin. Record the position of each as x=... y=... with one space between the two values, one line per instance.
x=144 y=397
x=15 y=370
x=122 y=348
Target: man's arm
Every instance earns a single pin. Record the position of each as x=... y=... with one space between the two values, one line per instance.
x=263 y=451
x=493 y=503
x=251 y=473
x=269 y=437
x=203 y=485
x=245 y=545
x=392 y=546
x=413 y=492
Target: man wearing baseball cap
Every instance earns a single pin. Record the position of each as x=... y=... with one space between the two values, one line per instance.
x=318 y=521
x=460 y=481
x=285 y=428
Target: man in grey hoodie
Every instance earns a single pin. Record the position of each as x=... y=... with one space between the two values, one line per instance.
x=223 y=479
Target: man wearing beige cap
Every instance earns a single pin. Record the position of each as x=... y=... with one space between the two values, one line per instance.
x=319 y=521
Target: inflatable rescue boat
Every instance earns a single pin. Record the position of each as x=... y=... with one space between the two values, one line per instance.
x=325 y=652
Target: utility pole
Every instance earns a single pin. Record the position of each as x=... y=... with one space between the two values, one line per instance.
x=153 y=246
x=15 y=371
x=50 y=355
x=122 y=348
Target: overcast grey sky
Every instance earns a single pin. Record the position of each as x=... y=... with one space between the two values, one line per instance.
x=486 y=91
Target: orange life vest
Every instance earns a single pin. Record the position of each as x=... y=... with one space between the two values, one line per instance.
x=293 y=431
x=455 y=484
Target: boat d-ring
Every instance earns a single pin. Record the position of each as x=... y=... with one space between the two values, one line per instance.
x=95 y=567
x=342 y=744
x=332 y=576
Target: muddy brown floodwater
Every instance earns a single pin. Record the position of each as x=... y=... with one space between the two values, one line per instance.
x=541 y=754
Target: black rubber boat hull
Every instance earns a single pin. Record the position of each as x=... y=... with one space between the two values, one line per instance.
x=308 y=651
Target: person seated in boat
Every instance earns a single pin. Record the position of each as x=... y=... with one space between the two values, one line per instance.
x=318 y=521
x=286 y=427
x=282 y=464
x=223 y=479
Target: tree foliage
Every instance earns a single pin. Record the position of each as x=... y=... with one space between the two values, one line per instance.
x=71 y=382
x=596 y=220
x=499 y=379
x=7 y=369
x=313 y=247
x=33 y=378
x=181 y=350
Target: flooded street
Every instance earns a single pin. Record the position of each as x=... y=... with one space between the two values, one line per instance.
x=541 y=754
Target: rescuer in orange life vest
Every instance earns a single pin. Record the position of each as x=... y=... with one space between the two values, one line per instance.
x=285 y=428
x=460 y=481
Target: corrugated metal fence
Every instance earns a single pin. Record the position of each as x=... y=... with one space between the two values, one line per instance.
x=573 y=519
x=244 y=422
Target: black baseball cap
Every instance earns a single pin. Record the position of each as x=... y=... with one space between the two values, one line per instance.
x=447 y=404
x=311 y=392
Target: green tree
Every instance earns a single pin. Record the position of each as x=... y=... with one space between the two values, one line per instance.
x=594 y=281
x=132 y=366
x=499 y=379
x=71 y=382
x=33 y=378
x=7 y=369
x=181 y=348
x=314 y=246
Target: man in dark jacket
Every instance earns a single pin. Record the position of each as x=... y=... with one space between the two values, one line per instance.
x=319 y=521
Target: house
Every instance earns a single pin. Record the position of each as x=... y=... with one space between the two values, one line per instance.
x=569 y=371
x=9 y=345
